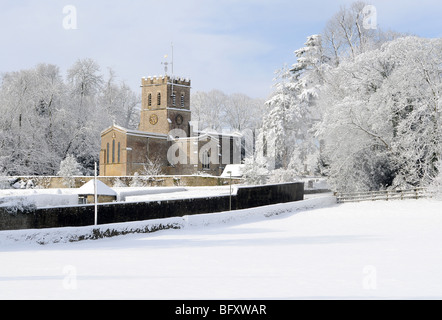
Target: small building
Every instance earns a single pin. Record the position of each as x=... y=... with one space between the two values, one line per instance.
x=233 y=171
x=86 y=194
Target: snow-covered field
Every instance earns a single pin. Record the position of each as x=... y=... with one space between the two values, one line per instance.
x=311 y=249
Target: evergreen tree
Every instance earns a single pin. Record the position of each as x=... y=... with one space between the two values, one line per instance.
x=293 y=110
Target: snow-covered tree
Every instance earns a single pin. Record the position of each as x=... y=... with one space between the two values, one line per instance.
x=29 y=117
x=208 y=108
x=255 y=171
x=118 y=104
x=382 y=123
x=293 y=110
x=85 y=84
x=243 y=112
x=345 y=34
x=69 y=168
x=217 y=110
x=44 y=117
x=152 y=167
x=279 y=123
x=436 y=185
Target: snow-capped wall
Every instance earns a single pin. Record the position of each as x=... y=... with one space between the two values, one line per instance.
x=83 y=215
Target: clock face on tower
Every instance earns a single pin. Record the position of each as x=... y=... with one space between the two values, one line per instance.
x=153 y=119
x=179 y=119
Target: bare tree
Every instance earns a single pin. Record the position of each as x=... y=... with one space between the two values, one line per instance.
x=345 y=34
x=152 y=167
x=243 y=112
x=119 y=103
x=217 y=110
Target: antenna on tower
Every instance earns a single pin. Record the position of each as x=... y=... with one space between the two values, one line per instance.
x=166 y=64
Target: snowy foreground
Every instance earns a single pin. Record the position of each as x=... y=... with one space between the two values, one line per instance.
x=310 y=249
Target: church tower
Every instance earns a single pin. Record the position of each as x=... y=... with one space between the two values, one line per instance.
x=165 y=105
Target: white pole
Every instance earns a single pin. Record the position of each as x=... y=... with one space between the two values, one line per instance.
x=95 y=196
x=230 y=198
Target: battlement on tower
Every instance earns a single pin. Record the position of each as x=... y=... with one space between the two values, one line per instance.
x=161 y=80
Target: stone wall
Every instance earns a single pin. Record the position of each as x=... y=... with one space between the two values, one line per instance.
x=83 y=215
x=47 y=182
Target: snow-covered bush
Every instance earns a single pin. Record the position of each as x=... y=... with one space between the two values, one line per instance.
x=255 y=170
x=119 y=184
x=282 y=175
x=12 y=206
x=69 y=167
x=137 y=181
x=152 y=167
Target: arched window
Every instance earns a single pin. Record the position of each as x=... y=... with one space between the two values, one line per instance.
x=159 y=99
x=149 y=100
x=107 y=153
x=182 y=100
x=118 y=152
x=113 y=151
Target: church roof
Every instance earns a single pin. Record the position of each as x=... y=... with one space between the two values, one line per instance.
x=200 y=134
x=134 y=132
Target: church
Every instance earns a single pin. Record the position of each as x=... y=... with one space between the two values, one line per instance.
x=166 y=136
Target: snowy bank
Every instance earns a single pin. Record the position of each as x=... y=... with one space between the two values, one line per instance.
x=126 y=192
x=64 y=235
x=39 y=198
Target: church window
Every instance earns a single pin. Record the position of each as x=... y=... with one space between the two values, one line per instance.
x=159 y=99
x=107 y=153
x=119 y=152
x=174 y=99
x=113 y=151
x=149 y=100
x=182 y=100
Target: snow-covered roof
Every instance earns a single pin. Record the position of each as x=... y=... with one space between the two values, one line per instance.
x=134 y=132
x=200 y=137
x=215 y=133
x=236 y=170
x=102 y=189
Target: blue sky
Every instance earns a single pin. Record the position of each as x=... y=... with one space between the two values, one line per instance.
x=230 y=45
